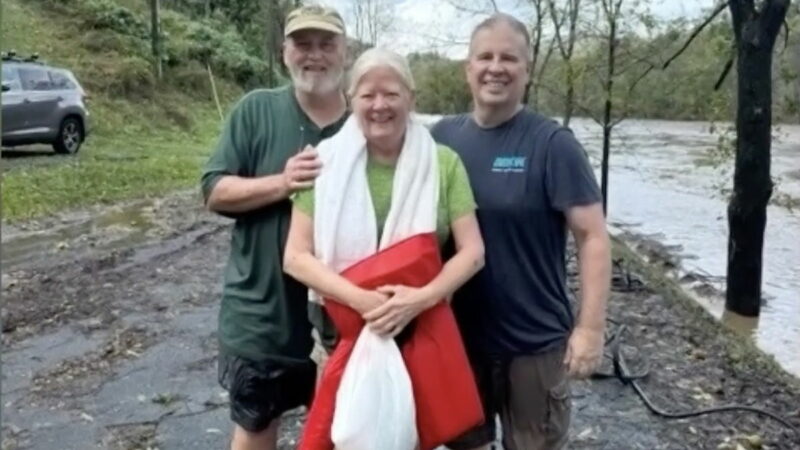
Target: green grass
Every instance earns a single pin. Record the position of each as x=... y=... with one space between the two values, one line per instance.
x=110 y=169
x=147 y=139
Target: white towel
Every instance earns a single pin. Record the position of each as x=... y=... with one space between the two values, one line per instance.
x=345 y=228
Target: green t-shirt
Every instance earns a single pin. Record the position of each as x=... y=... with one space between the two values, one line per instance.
x=455 y=194
x=263 y=313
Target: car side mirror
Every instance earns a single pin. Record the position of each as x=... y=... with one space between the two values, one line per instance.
x=6 y=87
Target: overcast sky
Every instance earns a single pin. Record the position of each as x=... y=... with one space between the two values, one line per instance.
x=426 y=25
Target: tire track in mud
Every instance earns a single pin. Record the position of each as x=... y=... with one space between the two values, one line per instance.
x=97 y=289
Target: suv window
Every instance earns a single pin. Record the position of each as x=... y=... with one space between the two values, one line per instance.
x=34 y=79
x=11 y=78
x=61 y=81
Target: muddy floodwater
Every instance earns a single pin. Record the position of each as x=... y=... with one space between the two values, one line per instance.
x=662 y=188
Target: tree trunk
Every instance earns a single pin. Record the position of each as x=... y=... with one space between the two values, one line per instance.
x=569 y=101
x=156 y=37
x=606 y=157
x=574 y=11
x=607 y=125
x=752 y=183
x=538 y=75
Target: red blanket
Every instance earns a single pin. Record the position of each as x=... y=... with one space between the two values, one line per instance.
x=446 y=398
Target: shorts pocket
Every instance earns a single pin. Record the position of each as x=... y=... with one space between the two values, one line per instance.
x=559 y=409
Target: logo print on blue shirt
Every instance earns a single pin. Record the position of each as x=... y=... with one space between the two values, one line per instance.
x=509 y=164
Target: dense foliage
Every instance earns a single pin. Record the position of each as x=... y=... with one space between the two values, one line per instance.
x=240 y=40
x=685 y=90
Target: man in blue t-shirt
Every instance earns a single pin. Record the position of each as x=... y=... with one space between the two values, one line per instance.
x=532 y=182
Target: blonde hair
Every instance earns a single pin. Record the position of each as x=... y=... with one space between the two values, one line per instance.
x=378 y=57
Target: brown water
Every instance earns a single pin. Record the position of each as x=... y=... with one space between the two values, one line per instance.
x=660 y=186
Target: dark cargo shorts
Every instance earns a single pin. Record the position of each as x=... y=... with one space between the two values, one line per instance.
x=260 y=391
x=531 y=395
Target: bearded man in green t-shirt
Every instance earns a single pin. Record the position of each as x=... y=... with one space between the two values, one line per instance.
x=264 y=155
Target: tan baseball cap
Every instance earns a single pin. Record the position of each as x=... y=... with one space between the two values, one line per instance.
x=314 y=17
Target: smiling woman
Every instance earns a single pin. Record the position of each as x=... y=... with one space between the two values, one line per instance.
x=382 y=93
x=400 y=187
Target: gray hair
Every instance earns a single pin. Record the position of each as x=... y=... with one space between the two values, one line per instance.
x=378 y=57
x=502 y=18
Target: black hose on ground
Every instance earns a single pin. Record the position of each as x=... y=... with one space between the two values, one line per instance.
x=622 y=372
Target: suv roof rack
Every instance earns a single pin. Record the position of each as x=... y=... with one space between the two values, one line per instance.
x=11 y=56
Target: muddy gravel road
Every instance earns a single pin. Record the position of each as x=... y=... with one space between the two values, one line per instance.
x=109 y=342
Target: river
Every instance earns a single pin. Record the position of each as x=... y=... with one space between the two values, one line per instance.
x=660 y=185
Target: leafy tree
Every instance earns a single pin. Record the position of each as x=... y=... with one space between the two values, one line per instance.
x=441 y=84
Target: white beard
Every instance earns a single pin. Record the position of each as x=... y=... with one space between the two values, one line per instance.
x=331 y=82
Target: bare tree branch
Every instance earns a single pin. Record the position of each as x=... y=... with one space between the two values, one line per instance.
x=580 y=106
x=617 y=9
x=606 y=7
x=717 y=10
x=547 y=55
x=538 y=73
x=650 y=65
x=635 y=59
x=441 y=41
x=696 y=32
x=459 y=6
x=574 y=11
x=785 y=35
x=725 y=70
x=372 y=19
x=537 y=34
x=557 y=23
x=629 y=94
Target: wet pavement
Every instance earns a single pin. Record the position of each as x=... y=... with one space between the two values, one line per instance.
x=109 y=342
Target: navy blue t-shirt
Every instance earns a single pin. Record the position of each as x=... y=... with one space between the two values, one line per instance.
x=525 y=173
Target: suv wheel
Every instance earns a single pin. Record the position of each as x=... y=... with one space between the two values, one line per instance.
x=70 y=136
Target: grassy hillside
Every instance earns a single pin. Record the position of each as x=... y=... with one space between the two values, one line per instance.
x=148 y=136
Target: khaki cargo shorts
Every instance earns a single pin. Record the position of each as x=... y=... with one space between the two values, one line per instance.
x=532 y=397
